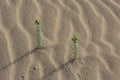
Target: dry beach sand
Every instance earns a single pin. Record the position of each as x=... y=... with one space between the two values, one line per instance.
x=96 y=22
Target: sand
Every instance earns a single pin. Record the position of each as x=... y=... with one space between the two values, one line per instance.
x=95 y=22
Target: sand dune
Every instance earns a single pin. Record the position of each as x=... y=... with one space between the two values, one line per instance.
x=96 y=22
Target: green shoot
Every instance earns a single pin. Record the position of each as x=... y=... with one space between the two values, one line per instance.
x=75 y=40
x=38 y=33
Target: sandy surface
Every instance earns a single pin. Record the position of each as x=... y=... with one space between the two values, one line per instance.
x=96 y=22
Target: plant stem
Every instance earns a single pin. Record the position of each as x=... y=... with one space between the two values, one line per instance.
x=75 y=40
x=75 y=54
x=38 y=34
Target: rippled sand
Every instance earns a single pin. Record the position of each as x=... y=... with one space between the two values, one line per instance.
x=96 y=22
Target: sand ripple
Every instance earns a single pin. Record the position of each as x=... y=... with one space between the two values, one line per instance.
x=96 y=22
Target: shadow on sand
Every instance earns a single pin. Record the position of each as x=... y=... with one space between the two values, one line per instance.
x=20 y=58
x=61 y=66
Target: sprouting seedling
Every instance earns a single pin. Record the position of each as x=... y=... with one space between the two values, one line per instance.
x=38 y=33
x=75 y=40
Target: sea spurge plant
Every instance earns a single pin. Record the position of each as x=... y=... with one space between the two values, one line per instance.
x=75 y=40
x=38 y=33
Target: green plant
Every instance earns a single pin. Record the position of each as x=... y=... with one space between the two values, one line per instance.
x=75 y=40
x=38 y=33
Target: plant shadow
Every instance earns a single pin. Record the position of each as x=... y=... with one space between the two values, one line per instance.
x=21 y=57
x=61 y=66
